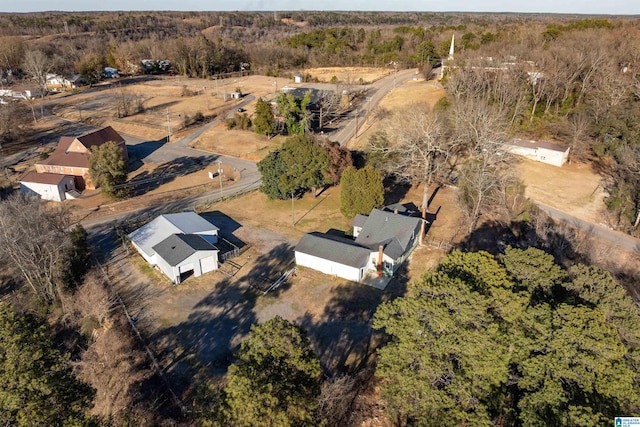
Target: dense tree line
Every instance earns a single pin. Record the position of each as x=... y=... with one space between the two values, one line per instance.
x=516 y=340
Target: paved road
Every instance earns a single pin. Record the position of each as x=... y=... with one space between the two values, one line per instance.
x=620 y=239
x=375 y=92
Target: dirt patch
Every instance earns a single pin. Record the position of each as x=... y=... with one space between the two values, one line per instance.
x=348 y=75
x=573 y=188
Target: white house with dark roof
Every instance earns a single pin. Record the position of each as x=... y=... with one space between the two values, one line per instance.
x=179 y=245
x=383 y=241
x=540 y=151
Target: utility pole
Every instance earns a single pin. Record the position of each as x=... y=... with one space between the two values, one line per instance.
x=168 y=126
x=220 y=170
x=293 y=222
x=356 y=122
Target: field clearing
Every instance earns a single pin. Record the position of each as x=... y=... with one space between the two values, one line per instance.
x=573 y=188
x=168 y=101
x=348 y=75
x=238 y=143
x=406 y=94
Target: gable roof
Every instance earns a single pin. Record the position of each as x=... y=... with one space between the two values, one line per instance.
x=333 y=248
x=43 y=178
x=394 y=232
x=149 y=235
x=99 y=137
x=359 y=220
x=178 y=247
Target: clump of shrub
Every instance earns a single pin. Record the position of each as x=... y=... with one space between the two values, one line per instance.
x=239 y=121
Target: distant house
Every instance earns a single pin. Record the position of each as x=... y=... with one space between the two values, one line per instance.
x=49 y=186
x=71 y=156
x=383 y=241
x=179 y=245
x=541 y=151
x=111 y=73
x=56 y=83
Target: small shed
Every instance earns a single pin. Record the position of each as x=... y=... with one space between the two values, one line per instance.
x=297 y=78
x=49 y=186
x=540 y=151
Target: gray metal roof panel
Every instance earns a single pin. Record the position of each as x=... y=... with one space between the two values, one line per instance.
x=332 y=248
x=178 y=247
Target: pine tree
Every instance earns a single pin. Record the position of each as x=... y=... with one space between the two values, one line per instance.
x=37 y=386
x=360 y=191
x=276 y=378
x=263 y=121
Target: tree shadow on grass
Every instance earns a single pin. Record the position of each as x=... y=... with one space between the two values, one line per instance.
x=203 y=345
x=344 y=339
x=269 y=267
x=167 y=172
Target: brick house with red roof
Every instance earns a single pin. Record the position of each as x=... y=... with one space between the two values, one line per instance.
x=71 y=156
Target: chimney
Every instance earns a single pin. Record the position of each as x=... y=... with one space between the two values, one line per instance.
x=380 y=256
x=424 y=221
x=395 y=211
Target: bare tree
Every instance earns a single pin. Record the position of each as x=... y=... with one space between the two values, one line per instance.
x=416 y=147
x=38 y=65
x=330 y=105
x=486 y=173
x=34 y=242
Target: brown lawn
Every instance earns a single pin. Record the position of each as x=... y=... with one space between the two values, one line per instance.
x=348 y=75
x=407 y=93
x=573 y=188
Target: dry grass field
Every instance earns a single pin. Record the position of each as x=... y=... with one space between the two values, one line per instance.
x=348 y=75
x=574 y=188
x=406 y=94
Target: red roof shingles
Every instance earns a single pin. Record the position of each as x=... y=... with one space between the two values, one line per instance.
x=43 y=178
x=62 y=157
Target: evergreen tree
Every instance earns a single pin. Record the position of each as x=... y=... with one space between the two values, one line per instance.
x=518 y=339
x=263 y=120
x=275 y=380
x=360 y=191
x=300 y=165
x=108 y=169
x=37 y=387
x=294 y=111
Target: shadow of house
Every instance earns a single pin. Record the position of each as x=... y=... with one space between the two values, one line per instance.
x=139 y=152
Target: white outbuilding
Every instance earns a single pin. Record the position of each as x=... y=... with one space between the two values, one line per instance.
x=49 y=186
x=540 y=151
x=179 y=245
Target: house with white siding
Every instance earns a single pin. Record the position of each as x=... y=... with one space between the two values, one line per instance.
x=540 y=151
x=383 y=240
x=179 y=245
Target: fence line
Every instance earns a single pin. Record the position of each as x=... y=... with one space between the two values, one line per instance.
x=207 y=204
x=440 y=244
x=154 y=362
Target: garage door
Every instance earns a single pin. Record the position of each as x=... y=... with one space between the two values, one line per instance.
x=208 y=264
x=185 y=268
